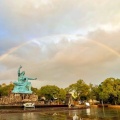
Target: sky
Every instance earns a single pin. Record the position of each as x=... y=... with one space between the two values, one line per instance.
x=60 y=41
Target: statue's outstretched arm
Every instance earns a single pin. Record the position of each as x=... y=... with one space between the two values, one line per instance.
x=19 y=70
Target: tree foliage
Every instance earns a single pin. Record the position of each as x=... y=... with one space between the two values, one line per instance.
x=49 y=91
x=6 y=89
x=109 y=90
x=80 y=89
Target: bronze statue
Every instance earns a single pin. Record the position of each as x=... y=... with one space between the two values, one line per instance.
x=22 y=86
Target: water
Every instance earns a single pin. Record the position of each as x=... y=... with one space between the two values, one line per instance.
x=62 y=114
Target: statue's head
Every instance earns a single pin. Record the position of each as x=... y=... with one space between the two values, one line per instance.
x=23 y=73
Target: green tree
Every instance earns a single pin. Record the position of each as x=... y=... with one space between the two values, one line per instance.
x=35 y=90
x=6 y=90
x=80 y=90
x=93 y=93
x=109 y=90
x=49 y=91
x=62 y=94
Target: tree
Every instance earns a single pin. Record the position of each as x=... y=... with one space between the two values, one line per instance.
x=6 y=90
x=49 y=91
x=62 y=94
x=109 y=90
x=80 y=90
x=93 y=93
x=35 y=90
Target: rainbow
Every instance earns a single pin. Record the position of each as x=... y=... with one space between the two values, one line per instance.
x=16 y=48
x=11 y=51
x=107 y=48
x=2 y=57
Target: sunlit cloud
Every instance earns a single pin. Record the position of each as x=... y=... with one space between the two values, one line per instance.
x=71 y=58
x=60 y=41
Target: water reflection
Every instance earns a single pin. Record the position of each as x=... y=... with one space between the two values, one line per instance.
x=88 y=111
x=28 y=115
x=75 y=117
x=63 y=114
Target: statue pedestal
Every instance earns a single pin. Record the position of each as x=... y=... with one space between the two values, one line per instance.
x=19 y=99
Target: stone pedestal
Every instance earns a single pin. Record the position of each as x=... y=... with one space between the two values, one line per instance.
x=18 y=98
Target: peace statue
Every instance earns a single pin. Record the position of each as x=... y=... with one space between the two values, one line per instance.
x=22 y=86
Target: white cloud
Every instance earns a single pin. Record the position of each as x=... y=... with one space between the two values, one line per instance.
x=58 y=17
x=67 y=60
x=52 y=55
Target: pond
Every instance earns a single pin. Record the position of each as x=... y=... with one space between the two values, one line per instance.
x=62 y=114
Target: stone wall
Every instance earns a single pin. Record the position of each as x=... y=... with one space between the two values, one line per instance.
x=18 y=98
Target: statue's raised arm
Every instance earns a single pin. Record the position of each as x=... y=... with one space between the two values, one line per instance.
x=19 y=70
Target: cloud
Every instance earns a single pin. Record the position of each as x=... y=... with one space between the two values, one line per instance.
x=56 y=17
x=108 y=38
x=34 y=34
x=23 y=20
x=67 y=59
